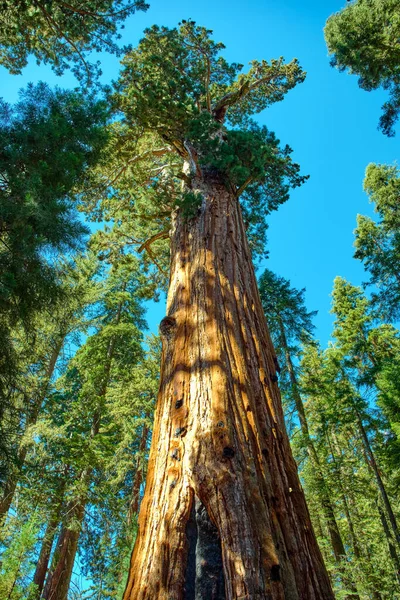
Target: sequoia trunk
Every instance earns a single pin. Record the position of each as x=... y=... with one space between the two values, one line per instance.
x=222 y=485
x=59 y=578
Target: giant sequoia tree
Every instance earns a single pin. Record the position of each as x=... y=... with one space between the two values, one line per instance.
x=223 y=515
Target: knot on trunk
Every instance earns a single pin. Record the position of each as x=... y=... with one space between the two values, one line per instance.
x=228 y=452
x=275 y=573
x=167 y=326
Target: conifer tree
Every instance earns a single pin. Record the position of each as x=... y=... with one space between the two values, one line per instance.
x=378 y=243
x=108 y=356
x=39 y=360
x=364 y=38
x=61 y=33
x=47 y=140
x=290 y=325
x=333 y=406
x=192 y=157
x=358 y=341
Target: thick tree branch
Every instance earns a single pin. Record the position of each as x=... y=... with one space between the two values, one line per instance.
x=244 y=185
x=161 y=235
x=138 y=158
x=220 y=108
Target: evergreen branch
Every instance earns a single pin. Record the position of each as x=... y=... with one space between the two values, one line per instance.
x=99 y=15
x=242 y=188
x=154 y=260
x=220 y=108
x=138 y=158
x=51 y=22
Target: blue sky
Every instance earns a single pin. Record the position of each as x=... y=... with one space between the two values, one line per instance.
x=329 y=122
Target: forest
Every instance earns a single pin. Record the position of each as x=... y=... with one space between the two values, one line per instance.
x=180 y=419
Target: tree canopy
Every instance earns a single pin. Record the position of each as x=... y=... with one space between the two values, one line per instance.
x=179 y=100
x=378 y=243
x=60 y=33
x=364 y=38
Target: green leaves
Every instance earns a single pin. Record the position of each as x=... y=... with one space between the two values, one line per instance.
x=364 y=38
x=46 y=143
x=176 y=83
x=378 y=243
x=263 y=85
x=61 y=33
x=177 y=92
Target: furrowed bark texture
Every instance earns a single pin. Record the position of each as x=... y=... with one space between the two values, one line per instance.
x=219 y=437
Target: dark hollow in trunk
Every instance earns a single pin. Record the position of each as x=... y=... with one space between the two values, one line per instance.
x=204 y=578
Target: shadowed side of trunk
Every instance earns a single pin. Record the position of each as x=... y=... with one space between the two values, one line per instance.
x=219 y=435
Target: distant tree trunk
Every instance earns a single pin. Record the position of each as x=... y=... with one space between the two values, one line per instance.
x=59 y=577
x=382 y=490
x=138 y=478
x=392 y=549
x=222 y=486
x=46 y=548
x=364 y=558
x=333 y=529
x=338 y=548
x=12 y=481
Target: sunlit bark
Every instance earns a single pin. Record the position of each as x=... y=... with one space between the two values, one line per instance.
x=219 y=442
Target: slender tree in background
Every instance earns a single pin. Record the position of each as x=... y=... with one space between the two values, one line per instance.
x=47 y=141
x=362 y=345
x=61 y=33
x=333 y=405
x=221 y=475
x=108 y=355
x=378 y=243
x=290 y=325
x=364 y=38
x=70 y=317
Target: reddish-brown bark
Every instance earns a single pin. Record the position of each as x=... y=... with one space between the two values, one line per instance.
x=219 y=437
x=47 y=545
x=138 y=478
x=59 y=578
